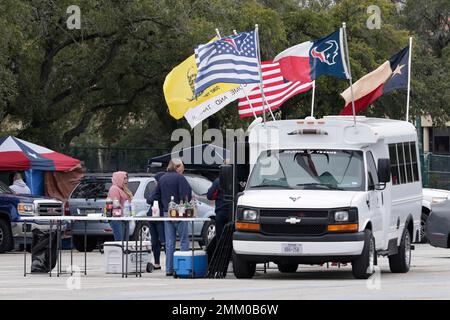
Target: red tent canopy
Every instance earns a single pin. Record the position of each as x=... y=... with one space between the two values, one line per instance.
x=17 y=154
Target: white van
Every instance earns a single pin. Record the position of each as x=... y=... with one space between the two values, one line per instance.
x=328 y=191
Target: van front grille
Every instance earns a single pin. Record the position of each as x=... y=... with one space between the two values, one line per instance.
x=293 y=229
x=294 y=213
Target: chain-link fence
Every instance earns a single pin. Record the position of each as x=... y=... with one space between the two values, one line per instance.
x=436 y=171
x=103 y=159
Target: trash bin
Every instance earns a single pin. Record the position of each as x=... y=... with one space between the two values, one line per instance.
x=40 y=251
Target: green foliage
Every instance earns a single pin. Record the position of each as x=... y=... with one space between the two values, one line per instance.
x=103 y=84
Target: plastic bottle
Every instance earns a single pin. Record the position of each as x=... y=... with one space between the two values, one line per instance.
x=155 y=209
x=117 y=210
x=126 y=209
x=108 y=207
x=133 y=209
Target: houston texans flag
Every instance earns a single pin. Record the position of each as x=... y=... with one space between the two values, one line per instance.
x=17 y=154
x=391 y=75
x=231 y=59
x=277 y=90
x=307 y=61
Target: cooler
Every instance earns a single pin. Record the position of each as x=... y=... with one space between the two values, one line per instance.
x=113 y=256
x=182 y=264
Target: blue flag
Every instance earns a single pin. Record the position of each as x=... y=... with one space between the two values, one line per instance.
x=232 y=59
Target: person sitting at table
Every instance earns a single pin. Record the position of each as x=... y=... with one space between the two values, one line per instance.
x=119 y=191
x=173 y=184
x=19 y=186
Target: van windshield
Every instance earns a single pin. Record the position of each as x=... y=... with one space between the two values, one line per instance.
x=315 y=169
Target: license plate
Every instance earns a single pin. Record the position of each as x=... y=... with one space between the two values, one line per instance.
x=291 y=248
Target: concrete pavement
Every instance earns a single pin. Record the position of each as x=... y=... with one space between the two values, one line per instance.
x=428 y=279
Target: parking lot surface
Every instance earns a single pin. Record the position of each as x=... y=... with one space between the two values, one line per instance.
x=428 y=279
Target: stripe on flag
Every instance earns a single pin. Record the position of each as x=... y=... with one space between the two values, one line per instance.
x=277 y=90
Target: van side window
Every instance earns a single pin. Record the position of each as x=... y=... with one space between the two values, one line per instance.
x=404 y=166
x=394 y=163
x=371 y=170
x=409 y=174
x=414 y=164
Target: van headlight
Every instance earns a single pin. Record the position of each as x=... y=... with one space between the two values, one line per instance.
x=341 y=216
x=249 y=215
x=25 y=209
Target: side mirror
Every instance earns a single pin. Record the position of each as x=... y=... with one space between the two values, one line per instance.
x=226 y=179
x=384 y=170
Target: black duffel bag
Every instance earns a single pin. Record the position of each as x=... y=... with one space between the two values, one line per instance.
x=40 y=251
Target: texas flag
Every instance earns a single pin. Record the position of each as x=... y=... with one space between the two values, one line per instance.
x=307 y=61
x=391 y=75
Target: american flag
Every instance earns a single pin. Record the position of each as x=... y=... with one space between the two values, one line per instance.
x=230 y=59
x=277 y=90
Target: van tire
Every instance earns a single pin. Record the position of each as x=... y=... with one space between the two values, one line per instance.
x=400 y=262
x=6 y=240
x=363 y=266
x=243 y=269
x=287 y=267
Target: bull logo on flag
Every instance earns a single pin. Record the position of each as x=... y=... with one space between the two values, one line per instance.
x=326 y=52
x=236 y=42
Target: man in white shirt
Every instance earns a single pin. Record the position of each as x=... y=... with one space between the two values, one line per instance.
x=19 y=185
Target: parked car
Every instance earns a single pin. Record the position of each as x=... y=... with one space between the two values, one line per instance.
x=89 y=197
x=13 y=207
x=438 y=225
x=430 y=197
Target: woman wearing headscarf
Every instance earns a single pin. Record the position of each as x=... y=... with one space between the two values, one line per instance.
x=119 y=191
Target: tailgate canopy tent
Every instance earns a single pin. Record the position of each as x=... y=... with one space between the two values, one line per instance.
x=62 y=173
x=17 y=154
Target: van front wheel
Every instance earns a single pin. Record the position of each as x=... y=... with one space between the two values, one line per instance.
x=400 y=262
x=243 y=269
x=363 y=266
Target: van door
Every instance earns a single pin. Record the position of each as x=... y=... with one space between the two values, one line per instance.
x=375 y=201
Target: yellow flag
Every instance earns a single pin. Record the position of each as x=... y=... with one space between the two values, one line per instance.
x=179 y=88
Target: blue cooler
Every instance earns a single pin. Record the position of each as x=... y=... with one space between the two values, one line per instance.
x=182 y=263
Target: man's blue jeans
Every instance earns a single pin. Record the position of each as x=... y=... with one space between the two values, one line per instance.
x=170 y=230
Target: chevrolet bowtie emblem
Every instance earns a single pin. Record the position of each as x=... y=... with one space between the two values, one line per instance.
x=294 y=198
x=293 y=220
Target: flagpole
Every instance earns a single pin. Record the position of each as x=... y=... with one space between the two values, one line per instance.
x=258 y=52
x=344 y=27
x=312 y=100
x=409 y=78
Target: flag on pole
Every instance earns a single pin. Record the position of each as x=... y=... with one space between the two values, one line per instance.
x=231 y=59
x=391 y=75
x=309 y=60
x=207 y=108
x=277 y=90
x=179 y=89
